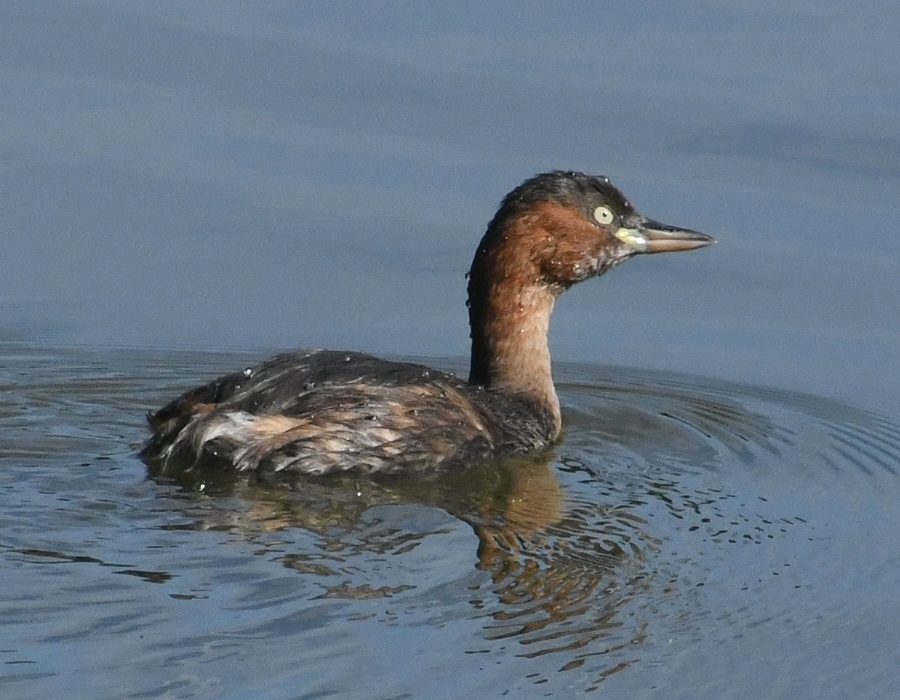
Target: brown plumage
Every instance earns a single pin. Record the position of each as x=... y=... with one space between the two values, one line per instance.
x=322 y=411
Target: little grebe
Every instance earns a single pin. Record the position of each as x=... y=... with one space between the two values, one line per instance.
x=321 y=411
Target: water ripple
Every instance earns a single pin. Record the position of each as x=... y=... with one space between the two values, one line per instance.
x=678 y=517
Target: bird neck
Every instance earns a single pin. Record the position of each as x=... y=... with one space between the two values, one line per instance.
x=509 y=313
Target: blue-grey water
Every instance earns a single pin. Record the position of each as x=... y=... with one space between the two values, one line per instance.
x=187 y=187
x=689 y=538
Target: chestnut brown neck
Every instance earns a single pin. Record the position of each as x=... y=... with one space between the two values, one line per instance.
x=510 y=303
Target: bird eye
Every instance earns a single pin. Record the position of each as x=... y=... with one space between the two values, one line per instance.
x=604 y=215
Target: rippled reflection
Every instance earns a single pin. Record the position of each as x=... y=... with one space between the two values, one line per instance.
x=559 y=569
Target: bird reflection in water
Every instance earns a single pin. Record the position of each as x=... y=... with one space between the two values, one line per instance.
x=558 y=569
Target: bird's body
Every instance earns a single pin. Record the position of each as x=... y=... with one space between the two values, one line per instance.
x=322 y=411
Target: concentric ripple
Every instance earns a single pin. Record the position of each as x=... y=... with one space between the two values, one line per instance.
x=693 y=511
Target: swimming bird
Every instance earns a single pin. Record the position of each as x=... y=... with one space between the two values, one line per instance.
x=322 y=411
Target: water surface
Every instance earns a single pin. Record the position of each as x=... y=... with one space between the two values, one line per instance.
x=688 y=538
x=256 y=176
x=259 y=175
